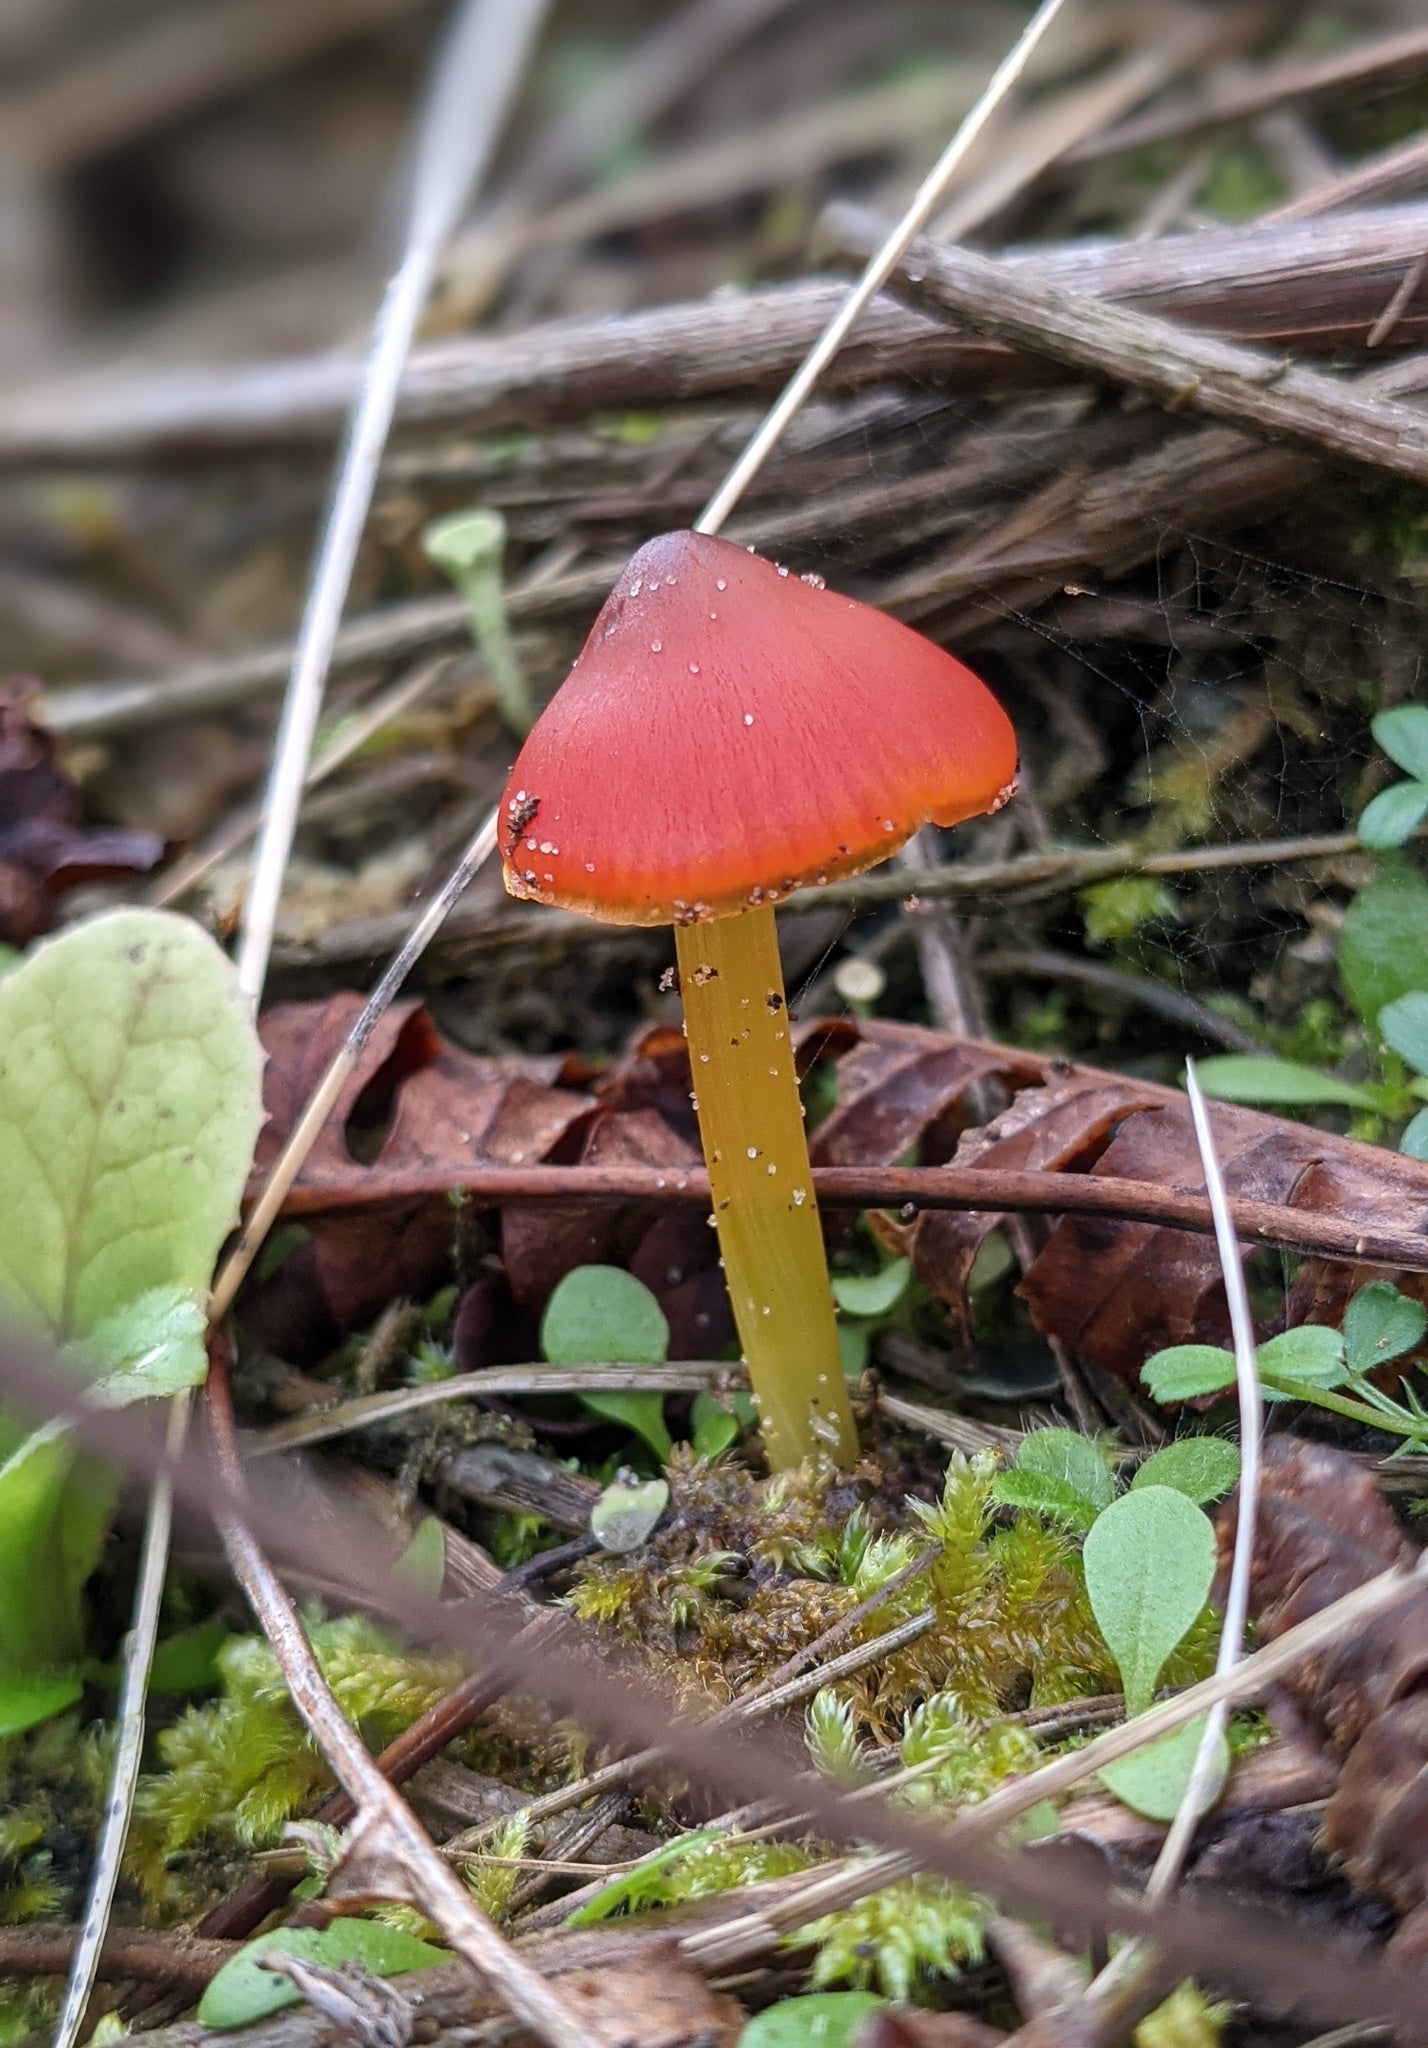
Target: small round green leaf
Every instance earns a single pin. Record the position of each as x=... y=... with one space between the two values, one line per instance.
x=1414 y=1142
x=1310 y=1356
x=603 y=1315
x=1381 y=1324
x=1065 y=1455
x=1150 y=1558
x=1403 y=735
x=1187 y=1372
x=1383 y=946
x=1201 y=1467
x=1393 y=816
x=825 y=2019
x=872 y=1294
x=1403 y=1024
x=1153 y=1780
x=625 y=1514
x=1243 y=1077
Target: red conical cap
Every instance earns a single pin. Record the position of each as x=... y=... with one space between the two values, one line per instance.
x=730 y=733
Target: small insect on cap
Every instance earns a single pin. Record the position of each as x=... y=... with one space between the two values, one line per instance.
x=731 y=732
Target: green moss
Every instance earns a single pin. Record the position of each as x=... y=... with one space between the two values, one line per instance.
x=238 y=1768
x=898 y=1939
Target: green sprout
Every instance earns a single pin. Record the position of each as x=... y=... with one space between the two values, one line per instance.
x=469 y=547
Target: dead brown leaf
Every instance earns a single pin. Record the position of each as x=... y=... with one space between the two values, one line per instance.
x=44 y=849
x=1322 y=1530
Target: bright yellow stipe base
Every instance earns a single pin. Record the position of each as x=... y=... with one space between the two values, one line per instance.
x=741 y=1058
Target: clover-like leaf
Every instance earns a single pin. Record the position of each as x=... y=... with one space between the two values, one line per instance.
x=1403 y=1024
x=129 y=1106
x=1187 y=1372
x=1393 y=816
x=1381 y=1324
x=1149 y=1561
x=1383 y=947
x=1310 y=1356
x=1403 y=735
x=872 y=1294
x=603 y=1315
x=1200 y=1467
x=1074 y=1459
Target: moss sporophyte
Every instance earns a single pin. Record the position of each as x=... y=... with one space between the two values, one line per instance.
x=728 y=734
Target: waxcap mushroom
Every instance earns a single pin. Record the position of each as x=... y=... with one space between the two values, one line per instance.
x=731 y=732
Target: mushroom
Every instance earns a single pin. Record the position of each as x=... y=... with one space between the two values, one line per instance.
x=730 y=733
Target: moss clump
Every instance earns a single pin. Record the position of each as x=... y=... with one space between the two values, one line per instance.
x=241 y=1766
x=897 y=1940
x=748 y=1571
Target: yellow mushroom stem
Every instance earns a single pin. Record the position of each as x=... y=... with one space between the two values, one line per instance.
x=751 y=1122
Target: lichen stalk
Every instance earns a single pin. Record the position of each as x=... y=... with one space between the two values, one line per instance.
x=751 y=1122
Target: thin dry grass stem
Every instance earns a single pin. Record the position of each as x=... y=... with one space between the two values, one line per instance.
x=879 y=268
x=137 y=1660
x=1131 y=1983
x=689 y=1376
x=478 y=71
x=1251 y=1397
x=385 y=1827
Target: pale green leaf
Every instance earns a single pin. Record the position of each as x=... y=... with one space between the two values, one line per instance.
x=1414 y=1142
x=1310 y=1356
x=1187 y=1372
x=633 y=1885
x=626 y=1513
x=54 y=1507
x=1403 y=735
x=129 y=1106
x=151 y=1346
x=1393 y=816
x=872 y=1294
x=25 y=1702
x=1383 y=946
x=824 y=2019
x=1149 y=1561
x=603 y=1315
x=1403 y=1024
x=1245 y=1077
x=1153 y=1780
x=422 y=1565
x=243 y=1991
x=1066 y=1455
x=1381 y=1324
x=641 y=1413
x=1201 y=1467
x=1042 y=1495
x=714 y=1425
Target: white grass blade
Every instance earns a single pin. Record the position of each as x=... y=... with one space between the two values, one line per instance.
x=479 y=70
